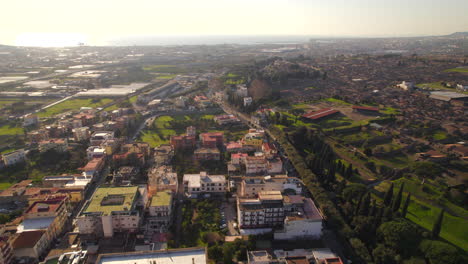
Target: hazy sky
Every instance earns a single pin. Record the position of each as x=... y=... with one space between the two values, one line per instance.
x=26 y=22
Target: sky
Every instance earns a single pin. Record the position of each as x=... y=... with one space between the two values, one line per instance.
x=95 y=22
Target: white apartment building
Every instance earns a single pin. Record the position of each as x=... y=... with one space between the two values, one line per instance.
x=195 y=184
x=14 y=157
x=252 y=186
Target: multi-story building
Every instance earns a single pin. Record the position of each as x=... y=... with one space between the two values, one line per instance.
x=81 y=133
x=226 y=119
x=37 y=136
x=93 y=167
x=98 y=137
x=202 y=154
x=125 y=175
x=30 y=120
x=202 y=183
x=6 y=249
x=57 y=144
x=160 y=212
x=110 y=209
x=94 y=152
x=30 y=245
x=212 y=139
x=191 y=131
x=303 y=220
x=265 y=212
x=162 y=178
x=252 y=186
x=14 y=157
x=49 y=216
x=183 y=142
x=140 y=147
x=178 y=255
x=256 y=165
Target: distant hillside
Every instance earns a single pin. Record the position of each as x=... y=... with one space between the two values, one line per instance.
x=458 y=34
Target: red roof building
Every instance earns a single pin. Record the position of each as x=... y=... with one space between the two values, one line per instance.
x=316 y=115
x=365 y=108
x=212 y=139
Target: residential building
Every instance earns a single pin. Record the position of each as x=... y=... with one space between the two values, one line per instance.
x=30 y=245
x=203 y=154
x=254 y=139
x=183 y=142
x=303 y=219
x=30 y=120
x=226 y=119
x=242 y=91
x=163 y=155
x=37 y=136
x=110 y=209
x=462 y=88
x=160 y=212
x=6 y=249
x=178 y=255
x=265 y=212
x=97 y=138
x=81 y=134
x=256 y=165
x=247 y=101
x=57 y=144
x=202 y=183
x=407 y=86
x=252 y=186
x=191 y=131
x=212 y=139
x=94 y=152
x=261 y=257
x=14 y=157
x=162 y=178
x=366 y=109
x=93 y=167
x=140 y=147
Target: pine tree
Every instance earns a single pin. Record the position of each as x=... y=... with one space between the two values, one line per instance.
x=373 y=209
x=349 y=171
x=397 y=201
x=364 y=208
x=405 y=206
x=438 y=225
x=388 y=195
x=359 y=204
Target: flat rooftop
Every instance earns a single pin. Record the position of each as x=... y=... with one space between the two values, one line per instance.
x=161 y=199
x=112 y=199
x=171 y=256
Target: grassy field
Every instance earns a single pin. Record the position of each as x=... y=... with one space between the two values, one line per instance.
x=166 y=76
x=72 y=104
x=425 y=214
x=8 y=130
x=4 y=185
x=163 y=69
x=458 y=69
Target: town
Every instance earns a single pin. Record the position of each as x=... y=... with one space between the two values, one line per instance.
x=268 y=153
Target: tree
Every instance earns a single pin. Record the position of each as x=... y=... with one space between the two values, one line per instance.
x=400 y=235
x=384 y=255
x=405 y=206
x=349 y=171
x=388 y=195
x=397 y=201
x=354 y=191
x=364 y=207
x=438 y=224
x=440 y=252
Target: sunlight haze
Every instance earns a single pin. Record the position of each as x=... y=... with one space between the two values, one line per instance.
x=54 y=22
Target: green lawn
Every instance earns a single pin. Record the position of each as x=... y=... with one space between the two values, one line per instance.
x=8 y=130
x=458 y=69
x=166 y=76
x=424 y=214
x=72 y=104
x=164 y=69
x=336 y=101
x=439 y=135
x=4 y=185
x=453 y=228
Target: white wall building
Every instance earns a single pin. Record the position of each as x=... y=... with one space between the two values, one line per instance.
x=195 y=184
x=14 y=157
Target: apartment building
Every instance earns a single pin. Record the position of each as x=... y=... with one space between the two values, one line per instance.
x=81 y=133
x=163 y=155
x=99 y=137
x=183 y=142
x=264 y=212
x=212 y=139
x=57 y=144
x=160 y=212
x=110 y=209
x=14 y=157
x=202 y=154
x=202 y=183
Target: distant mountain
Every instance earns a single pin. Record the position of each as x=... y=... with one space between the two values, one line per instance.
x=458 y=34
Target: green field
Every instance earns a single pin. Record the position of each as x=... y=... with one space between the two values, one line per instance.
x=72 y=104
x=425 y=214
x=164 y=69
x=8 y=130
x=459 y=69
x=4 y=185
x=166 y=76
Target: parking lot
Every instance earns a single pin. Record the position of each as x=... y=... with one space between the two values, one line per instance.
x=228 y=213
